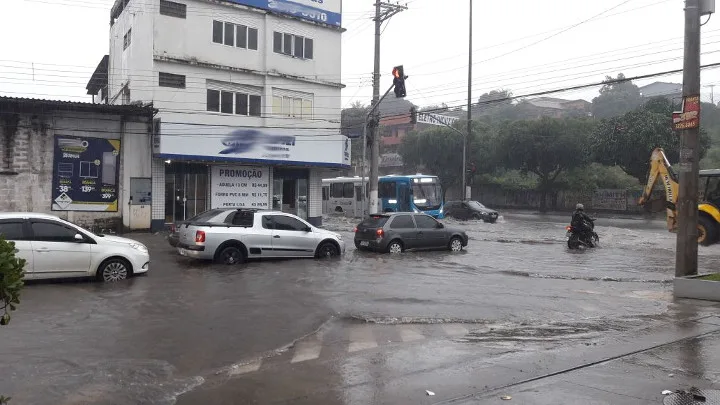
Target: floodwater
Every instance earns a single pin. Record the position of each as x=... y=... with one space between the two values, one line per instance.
x=187 y=326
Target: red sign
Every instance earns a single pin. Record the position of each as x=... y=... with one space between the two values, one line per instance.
x=689 y=117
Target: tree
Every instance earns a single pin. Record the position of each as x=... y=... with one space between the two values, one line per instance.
x=628 y=140
x=439 y=150
x=546 y=147
x=495 y=103
x=351 y=125
x=11 y=282
x=617 y=97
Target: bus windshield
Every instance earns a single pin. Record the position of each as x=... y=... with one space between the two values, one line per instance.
x=427 y=196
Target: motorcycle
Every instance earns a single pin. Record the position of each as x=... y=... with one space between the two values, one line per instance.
x=577 y=238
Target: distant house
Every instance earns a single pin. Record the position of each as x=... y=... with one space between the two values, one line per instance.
x=657 y=89
x=556 y=107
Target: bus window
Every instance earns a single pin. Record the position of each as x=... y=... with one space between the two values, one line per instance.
x=348 y=190
x=387 y=190
x=336 y=190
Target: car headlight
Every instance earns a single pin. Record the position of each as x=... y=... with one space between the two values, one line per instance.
x=139 y=247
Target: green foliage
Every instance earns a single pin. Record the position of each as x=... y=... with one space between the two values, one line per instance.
x=616 y=98
x=628 y=140
x=4 y=400
x=596 y=176
x=11 y=279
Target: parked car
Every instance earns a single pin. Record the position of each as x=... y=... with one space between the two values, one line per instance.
x=173 y=237
x=397 y=232
x=231 y=236
x=55 y=248
x=465 y=210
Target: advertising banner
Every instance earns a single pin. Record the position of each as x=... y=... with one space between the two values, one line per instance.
x=240 y=187
x=85 y=174
x=276 y=146
x=322 y=11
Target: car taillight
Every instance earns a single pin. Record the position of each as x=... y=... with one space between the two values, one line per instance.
x=172 y=228
x=568 y=228
x=355 y=229
x=199 y=236
x=380 y=233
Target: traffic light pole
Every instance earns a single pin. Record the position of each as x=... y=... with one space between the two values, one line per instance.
x=686 y=259
x=469 y=110
x=373 y=108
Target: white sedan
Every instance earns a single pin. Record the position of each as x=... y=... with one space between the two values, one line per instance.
x=55 y=248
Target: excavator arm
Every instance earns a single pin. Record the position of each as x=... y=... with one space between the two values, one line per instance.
x=660 y=169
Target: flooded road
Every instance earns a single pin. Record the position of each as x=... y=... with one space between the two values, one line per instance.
x=192 y=331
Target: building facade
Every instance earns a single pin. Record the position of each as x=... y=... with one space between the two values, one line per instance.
x=87 y=163
x=248 y=94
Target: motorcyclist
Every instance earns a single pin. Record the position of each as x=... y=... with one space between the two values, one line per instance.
x=581 y=220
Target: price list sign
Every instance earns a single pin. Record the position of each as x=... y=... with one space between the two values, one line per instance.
x=85 y=174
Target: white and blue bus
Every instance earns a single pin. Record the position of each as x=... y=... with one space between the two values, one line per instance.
x=411 y=193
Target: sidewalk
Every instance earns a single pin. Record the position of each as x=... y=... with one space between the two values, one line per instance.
x=634 y=371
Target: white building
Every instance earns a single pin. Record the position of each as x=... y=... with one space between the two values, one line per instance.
x=248 y=94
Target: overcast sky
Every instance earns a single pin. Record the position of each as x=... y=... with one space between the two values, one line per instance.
x=49 y=48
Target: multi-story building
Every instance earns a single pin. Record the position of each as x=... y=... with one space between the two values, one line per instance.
x=248 y=94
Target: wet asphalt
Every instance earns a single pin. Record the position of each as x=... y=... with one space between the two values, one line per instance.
x=362 y=329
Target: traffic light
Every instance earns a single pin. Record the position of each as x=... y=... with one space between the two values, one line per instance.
x=413 y=115
x=399 y=81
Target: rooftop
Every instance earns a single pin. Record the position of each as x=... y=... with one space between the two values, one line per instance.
x=19 y=104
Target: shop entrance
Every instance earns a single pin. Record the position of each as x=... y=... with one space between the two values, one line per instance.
x=186 y=190
x=290 y=191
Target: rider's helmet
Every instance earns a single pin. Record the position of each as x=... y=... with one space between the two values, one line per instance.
x=580 y=207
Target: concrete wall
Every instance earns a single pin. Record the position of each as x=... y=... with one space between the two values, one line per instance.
x=618 y=201
x=26 y=161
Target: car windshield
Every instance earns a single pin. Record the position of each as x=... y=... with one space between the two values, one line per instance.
x=476 y=204
x=427 y=195
x=374 y=222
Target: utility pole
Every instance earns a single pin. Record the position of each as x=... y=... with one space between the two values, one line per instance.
x=383 y=12
x=469 y=109
x=686 y=260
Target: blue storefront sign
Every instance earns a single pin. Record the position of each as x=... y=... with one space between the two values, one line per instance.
x=85 y=174
x=322 y=11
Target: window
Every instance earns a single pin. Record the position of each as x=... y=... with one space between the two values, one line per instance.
x=348 y=190
x=293 y=45
x=292 y=107
x=172 y=80
x=213 y=100
x=217 y=32
x=402 y=222
x=173 y=9
x=226 y=102
x=425 y=222
x=241 y=218
x=229 y=102
x=252 y=38
x=52 y=232
x=229 y=34
x=267 y=222
x=387 y=190
x=376 y=221
x=237 y=35
x=12 y=230
x=126 y=39
x=283 y=223
x=336 y=190
x=207 y=216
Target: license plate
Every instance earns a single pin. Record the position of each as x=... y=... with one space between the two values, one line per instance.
x=183 y=252
x=364 y=243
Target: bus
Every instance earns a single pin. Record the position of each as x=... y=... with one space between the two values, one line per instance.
x=396 y=193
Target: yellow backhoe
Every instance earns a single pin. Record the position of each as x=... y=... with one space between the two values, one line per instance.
x=709 y=215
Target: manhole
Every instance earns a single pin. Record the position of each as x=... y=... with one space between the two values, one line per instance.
x=693 y=397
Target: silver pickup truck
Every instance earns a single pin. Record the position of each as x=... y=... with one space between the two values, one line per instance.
x=231 y=236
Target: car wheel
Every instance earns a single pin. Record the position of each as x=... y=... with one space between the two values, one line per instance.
x=455 y=244
x=231 y=255
x=113 y=270
x=395 y=247
x=477 y=217
x=327 y=250
x=707 y=234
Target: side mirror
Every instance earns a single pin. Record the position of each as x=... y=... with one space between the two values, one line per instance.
x=308 y=229
x=440 y=225
x=79 y=238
